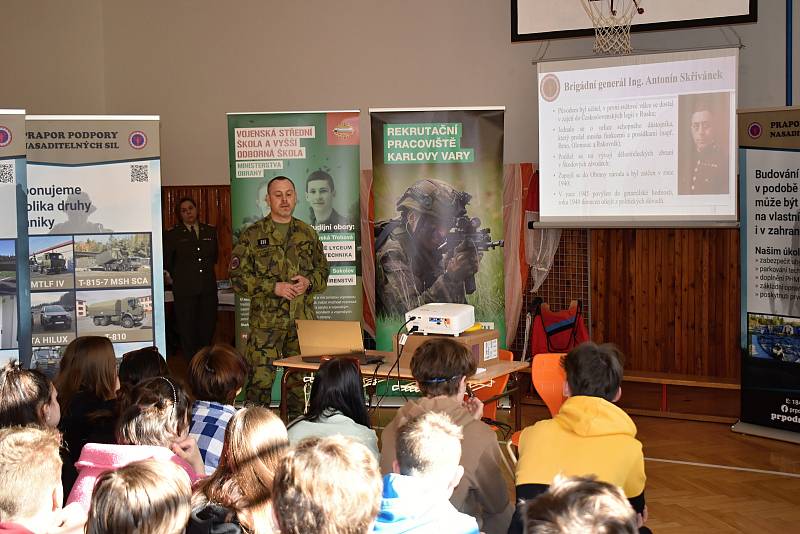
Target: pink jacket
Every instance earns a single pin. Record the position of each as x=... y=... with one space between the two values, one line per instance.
x=97 y=458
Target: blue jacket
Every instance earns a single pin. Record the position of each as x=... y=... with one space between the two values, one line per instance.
x=408 y=506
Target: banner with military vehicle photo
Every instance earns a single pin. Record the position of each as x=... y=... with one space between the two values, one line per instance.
x=94 y=225
x=438 y=191
x=14 y=293
x=319 y=152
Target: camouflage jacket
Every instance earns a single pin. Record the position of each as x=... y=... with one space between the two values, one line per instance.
x=261 y=259
x=400 y=285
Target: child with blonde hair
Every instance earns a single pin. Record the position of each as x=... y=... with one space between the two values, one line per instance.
x=153 y=423
x=239 y=493
x=145 y=497
x=30 y=484
x=327 y=486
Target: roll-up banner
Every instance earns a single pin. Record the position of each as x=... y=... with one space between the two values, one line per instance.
x=769 y=164
x=94 y=226
x=14 y=292
x=438 y=192
x=319 y=152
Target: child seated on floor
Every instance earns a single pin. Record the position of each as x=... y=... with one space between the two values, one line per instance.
x=416 y=496
x=145 y=497
x=238 y=496
x=138 y=365
x=590 y=435
x=27 y=397
x=216 y=375
x=87 y=386
x=327 y=486
x=153 y=423
x=579 y=504
x=336 y=406
x=30 y=484
x=441 y=367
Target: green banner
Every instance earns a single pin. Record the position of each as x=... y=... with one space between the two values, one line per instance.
x=319 y=152
x=425 y=143
x=438 y=190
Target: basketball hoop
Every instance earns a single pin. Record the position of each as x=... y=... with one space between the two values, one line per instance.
x=612 y=24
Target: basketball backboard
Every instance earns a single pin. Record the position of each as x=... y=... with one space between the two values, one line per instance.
x=534 y=20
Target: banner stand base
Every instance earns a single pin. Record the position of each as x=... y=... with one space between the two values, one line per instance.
x=766 y=432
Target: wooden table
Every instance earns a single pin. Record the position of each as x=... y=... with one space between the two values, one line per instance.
x=295 y=364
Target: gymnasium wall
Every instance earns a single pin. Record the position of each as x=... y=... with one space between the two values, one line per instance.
x=193 y=61
x=52 y=57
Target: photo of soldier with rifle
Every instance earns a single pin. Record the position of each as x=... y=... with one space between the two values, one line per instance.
x=437 y=185
x=467 y=233
x=432 y=252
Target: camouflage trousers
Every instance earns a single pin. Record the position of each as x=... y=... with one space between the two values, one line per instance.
x=263 y=348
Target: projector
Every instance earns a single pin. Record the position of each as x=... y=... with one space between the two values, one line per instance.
x=441 y=318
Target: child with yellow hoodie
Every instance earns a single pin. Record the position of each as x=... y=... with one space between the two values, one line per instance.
x=590 y=435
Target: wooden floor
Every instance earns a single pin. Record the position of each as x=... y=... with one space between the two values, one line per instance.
x=744 y=485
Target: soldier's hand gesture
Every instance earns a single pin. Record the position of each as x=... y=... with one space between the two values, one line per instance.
x=301 y=283
x=286 y=290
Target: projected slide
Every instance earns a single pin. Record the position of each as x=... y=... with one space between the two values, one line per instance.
x=639 y=140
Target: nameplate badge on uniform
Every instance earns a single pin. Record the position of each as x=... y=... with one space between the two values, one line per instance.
x=263 y=242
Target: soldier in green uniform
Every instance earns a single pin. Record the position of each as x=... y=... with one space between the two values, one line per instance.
x=410 y=267
x=279 y=264
x=190 y=252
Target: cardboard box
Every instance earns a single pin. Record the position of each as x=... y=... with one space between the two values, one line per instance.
x=483 y=344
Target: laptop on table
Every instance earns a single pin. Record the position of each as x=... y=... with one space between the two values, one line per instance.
x=322 y=340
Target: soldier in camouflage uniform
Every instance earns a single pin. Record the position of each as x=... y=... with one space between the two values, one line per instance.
x=279 y=264
x=410 y=268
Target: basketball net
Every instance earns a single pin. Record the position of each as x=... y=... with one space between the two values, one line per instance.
x=612 y=29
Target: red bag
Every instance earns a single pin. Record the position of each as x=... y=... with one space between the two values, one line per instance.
x=557 y=331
